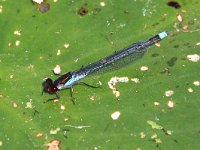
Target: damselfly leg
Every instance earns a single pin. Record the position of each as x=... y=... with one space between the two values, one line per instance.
x=52 y=99
x=71 y=95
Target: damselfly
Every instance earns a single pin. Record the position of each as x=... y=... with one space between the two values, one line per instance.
x=68 y=80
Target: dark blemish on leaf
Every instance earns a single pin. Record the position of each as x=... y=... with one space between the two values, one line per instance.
x=107 y=127
x=174 y=4
x=96 y=11
x=155 y=24
x=126 y=11
x=163 y=18
x=18 y=10
x=187 y=45
x=50 y=55
x=165 y=71
x=183 y=58
x=191 y=22
x=82 y=11
x=172 y=61
x=175 y=141
x=112 y=32
x=155 y=55
x=176 y=46
x=35 y=112
x=43 y=7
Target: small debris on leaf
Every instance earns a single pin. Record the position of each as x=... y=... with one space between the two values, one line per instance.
x=9 y=44
x=53 y=145
x=154 y=136
x=62 y=107
x=55 y=100
x=55 y=131
x=185 y=27
x=17 y=32
x=196 y=83
x=1 y=8
x=102 y=4
x=57 y=69
x=11 y=76
x=66 y=45
x=154 y=125
x=58 y=52
x=156 y=103
x=38 y=1
x=170 y=104
x=136 y=80
x=183 y=11
x=38 y=135
x=14 y=104
x=169 y=93
x=144 y=68
x=29 y=104
x=179 y=17
x=17 y=43
x=77 y=127
x=92 y=98
x=115 y=115
x=113 y=81
x=142 y=135
x=190 y=90
x=158 y=141
x=193 y=57
x=30 y=66
x=66 y=119
x=157 y=44
x=76 y=60
x=169 y=132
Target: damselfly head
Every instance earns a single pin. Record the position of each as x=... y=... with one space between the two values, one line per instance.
x=49 y=86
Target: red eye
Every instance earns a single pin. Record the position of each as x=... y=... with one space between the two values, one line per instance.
x=53 y=90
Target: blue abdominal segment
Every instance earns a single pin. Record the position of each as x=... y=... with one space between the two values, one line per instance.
x=162 y=35
x=74 y=79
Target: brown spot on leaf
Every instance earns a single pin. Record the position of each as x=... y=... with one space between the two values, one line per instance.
x=43 y=7
x=82 y=11
x=172 y=61
x=53 y=145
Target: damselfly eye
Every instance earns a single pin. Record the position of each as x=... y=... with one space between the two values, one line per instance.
x=52 y=89
x=49 y=86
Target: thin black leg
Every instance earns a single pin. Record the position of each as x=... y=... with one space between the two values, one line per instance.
x=52 y=99
x=71 y=95
x=88 y=85
x=35 y=112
